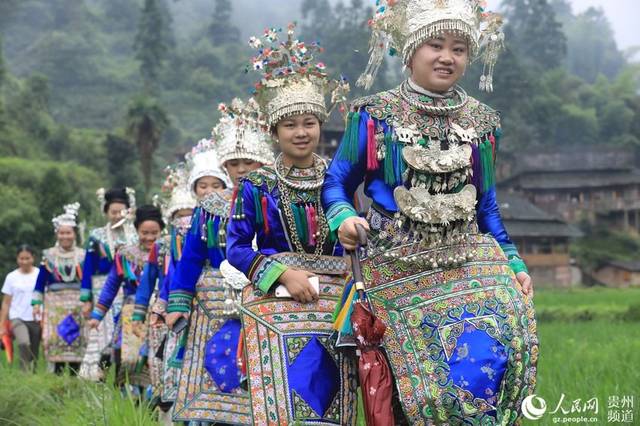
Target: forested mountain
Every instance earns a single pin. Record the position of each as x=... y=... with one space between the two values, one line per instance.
x=81 y=81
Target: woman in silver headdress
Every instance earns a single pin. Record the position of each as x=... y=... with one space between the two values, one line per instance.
x=126 y=271
x=56 y=298
x=296 y=271
x=441 y=271
x=177 y=202
x=117 y=204
x=210 y=386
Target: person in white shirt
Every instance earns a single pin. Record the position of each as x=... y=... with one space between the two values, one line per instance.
x=16 y=308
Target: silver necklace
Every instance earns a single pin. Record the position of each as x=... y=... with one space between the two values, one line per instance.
x=320 y=167
x=413 y=100
x=64 y=260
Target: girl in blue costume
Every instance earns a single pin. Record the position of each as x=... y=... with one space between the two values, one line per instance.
x=465 y=347
x=58 y=289
x=210 y=382
x=177 y=203
x=116 y=203
x=294 y=373
x=125 y=273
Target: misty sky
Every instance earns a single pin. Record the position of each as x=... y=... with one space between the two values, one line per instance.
x=254 y=15
x=623 y=15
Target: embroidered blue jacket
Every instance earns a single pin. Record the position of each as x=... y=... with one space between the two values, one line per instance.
x=346 y=174
x=50 y=275
x=205 y=242
x=125 y=272
x=257 y=213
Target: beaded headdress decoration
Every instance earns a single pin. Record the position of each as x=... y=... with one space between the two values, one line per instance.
x=203 y=161
x=405 y=25
x=292 y=82
x=242 y=133
x=176 y=194
x=68 y=218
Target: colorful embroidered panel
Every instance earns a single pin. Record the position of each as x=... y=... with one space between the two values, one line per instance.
x=98 y=340
x=63 y=332
x=211 y=347
x=134 y=350
x=462 y=341
x=170 y=373
x=295 y=373
x=157 y=334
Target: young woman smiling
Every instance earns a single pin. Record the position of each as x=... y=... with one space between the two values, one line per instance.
x=296 y=270
x=464 y=349
x=117 y=205
x=16 y=315
x=126 y=272
x=58 y=290
x=210 y=388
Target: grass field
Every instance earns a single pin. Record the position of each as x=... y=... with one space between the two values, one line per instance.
x=44 y=399
x=589 y=348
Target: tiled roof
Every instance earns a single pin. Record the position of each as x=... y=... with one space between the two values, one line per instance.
x=523 y=219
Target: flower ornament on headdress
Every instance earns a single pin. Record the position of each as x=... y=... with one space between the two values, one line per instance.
x=68 y=218
x=405 y=25
x=175 y=194
x=131 y=193
x=292 y=82
x=203 y=161
x=242 y=133
x=100 y=194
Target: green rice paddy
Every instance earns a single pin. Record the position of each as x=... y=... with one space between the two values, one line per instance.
x=589 y=348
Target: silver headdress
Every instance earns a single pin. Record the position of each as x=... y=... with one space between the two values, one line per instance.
x=68 y=218
x=176 y=194
x=292 y=83
x=101 y=194
x=405 y=25
x=242 y=132
x=203 y=161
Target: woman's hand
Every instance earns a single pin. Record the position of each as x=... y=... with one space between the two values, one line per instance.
x=3 y=329
x=525 y=281
x=173 y=317
x=298 y=285
x=138 y=328
x=37 y=312
x=155 y=319
x=93 y=323
x=347 y=233
x=86 y=309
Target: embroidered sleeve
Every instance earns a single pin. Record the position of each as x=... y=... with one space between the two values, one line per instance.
x=488 y=212
x=43 y=278
x=260 y=270
x=108 y=294
x=88 y=269
x=346 y=172
x=515 y=261
x=165 y=280
x=145 y=289
x=180 y=301
x=264 y=272
x=184 y=279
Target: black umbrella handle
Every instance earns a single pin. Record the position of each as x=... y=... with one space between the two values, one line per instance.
x=180 y=325
x=362 y=235
x=355 y=260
